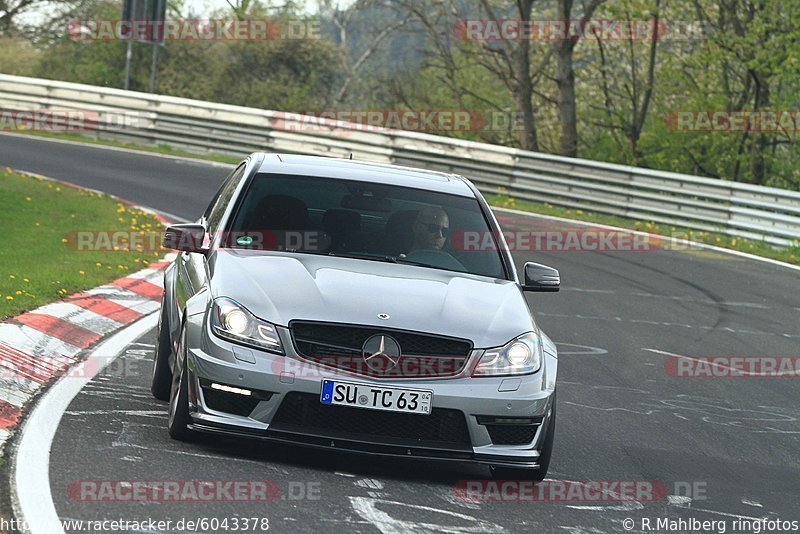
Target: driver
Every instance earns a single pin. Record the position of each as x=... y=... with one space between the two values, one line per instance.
x=430 y=229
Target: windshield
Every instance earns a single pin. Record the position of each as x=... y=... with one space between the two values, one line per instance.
x=374 y=222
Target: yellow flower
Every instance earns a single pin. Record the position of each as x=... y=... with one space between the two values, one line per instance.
x=25 y=280
x=81 y=273
x=64 y=240
x=28 y=199
x=58 y=189
x=98 y=264
x=12 y=277
x=9 y=297
x=18 y=292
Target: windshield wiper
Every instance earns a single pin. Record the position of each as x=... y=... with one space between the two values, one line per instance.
x=432 y=266
x=364 y=256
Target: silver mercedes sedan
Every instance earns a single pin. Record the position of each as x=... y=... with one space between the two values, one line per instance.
x=355 y=306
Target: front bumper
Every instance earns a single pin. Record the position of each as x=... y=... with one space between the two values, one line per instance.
x=472 y=410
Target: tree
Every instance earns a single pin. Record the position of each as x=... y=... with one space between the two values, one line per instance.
x=347 y=21
x=626 y=76
x=565 y=78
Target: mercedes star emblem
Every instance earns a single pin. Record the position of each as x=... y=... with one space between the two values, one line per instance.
x=381 y=353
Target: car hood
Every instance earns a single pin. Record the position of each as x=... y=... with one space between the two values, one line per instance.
x=280 y=287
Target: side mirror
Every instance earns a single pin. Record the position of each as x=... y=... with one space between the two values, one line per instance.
x=540 y=277
x=184 y=237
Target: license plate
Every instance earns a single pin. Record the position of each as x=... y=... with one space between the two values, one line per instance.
x=337 y=393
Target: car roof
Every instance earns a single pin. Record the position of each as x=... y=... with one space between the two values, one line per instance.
x=347 y=169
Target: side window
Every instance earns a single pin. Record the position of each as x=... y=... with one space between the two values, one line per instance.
x=217 y=207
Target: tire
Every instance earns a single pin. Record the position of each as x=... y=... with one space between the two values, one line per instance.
x=539 y=474
x=162 y=376
x=179 y=418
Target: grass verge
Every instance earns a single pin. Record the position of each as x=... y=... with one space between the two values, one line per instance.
x=758 y=248
x=41 y=260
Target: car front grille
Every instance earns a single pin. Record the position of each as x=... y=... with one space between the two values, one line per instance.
x=340 y=346
x=304 y=413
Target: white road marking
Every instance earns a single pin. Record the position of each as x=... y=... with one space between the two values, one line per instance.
x=622 y=505
x=370 y=483
x=368 y=510
x=612 y=409
x=579 y=349
x=30 y=461
x=583 y=530
x=752 y=503
x=725 y=514
x=450 y=497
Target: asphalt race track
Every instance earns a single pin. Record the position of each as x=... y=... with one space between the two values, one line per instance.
x=622 y=417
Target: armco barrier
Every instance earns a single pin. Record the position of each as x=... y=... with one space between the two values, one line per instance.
x=733 y=208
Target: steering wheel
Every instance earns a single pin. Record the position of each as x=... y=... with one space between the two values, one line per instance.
x=436 y=258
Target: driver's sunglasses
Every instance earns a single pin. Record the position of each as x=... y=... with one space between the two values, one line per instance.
x=435 y=229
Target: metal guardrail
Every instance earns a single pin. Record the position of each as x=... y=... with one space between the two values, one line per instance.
x=692 y=202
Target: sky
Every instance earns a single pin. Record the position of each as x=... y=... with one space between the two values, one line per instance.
x=199 y=7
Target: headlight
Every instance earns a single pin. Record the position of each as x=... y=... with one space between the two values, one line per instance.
x=520 y=356
x=231 y=321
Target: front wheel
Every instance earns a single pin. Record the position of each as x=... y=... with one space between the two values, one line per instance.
x=162 y=377
x=538 y=474
x=179 y=418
